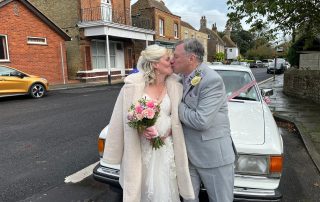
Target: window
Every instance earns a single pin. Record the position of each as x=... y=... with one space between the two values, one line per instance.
x=186 y=34
x=37 y=40
x=161 y=27
x=99 y=54
x=106 y=10
x=175 y=28
x=4 y=51
x=230 y=50
x=4 y=71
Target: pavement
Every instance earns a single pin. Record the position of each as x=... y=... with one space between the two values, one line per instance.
x=82 y=84
x=304 y=114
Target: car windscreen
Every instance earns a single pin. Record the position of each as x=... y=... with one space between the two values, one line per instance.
x=235 y=80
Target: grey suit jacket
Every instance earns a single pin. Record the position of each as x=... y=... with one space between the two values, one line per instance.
x=204 y=116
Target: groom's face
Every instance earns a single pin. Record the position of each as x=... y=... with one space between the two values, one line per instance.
x=180 y=60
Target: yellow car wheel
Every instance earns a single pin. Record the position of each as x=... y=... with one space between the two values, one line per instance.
x=37 y=90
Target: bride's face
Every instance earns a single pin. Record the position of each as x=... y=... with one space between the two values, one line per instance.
x=164 y=66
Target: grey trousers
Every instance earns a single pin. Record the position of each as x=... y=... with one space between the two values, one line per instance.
x=218 y=182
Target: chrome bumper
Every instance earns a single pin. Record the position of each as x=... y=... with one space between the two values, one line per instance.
x=246 y=194
x=111 y=176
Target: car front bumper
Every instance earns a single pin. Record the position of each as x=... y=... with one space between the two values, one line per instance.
x=111 y=176
x=106 y=175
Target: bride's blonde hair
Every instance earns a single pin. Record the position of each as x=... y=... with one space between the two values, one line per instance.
x=152 y=54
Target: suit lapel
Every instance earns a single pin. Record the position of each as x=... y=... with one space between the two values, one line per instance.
x=190 y=87
x=187 y=90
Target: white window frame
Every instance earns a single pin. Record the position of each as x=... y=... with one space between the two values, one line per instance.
x=175 y=30
x=106 y=10
x=7 y=49
x=161 y=27
x=37 y=43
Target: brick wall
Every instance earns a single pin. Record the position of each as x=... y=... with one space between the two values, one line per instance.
x=303 y=84
x=18 y=23
x=66 y=14
x=202 y=37
x=169 y=21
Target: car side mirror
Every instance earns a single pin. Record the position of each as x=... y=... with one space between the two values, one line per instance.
x=266 y=92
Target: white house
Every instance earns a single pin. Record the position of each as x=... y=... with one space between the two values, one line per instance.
x=231 y=49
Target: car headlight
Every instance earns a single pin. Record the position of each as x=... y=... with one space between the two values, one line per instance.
x=259 y=165
x=44 y=80
x=256 y=165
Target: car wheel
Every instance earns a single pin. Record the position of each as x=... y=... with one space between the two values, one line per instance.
x=37 y=90
x=268 y=72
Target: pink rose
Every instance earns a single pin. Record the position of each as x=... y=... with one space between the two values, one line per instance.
x=148 y=113
x=139 y=116
x=150 y=104
x=138 y=109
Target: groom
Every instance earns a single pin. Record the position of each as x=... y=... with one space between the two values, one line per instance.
x=204 y=116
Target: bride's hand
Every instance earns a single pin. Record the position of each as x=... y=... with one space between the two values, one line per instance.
x=150 y=133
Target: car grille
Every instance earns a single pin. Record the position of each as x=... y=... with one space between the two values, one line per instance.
x=109 y=171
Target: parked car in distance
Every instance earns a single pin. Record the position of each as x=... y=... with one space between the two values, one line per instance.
x=280 y=66
x=245 y=64
x=14 y=82
x=256 y=64
x=217 y=63
x=266 y=62
x=258 y=167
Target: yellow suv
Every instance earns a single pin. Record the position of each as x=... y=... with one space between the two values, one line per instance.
x=14 y=82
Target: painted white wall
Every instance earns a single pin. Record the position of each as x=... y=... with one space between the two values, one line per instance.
x=232 y=53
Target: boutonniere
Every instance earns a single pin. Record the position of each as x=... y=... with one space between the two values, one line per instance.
x=197 y=78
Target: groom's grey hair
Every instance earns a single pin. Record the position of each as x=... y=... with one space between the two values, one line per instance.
x=193 y=46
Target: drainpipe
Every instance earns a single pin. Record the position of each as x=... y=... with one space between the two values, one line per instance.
x=107 y=50
x=62 y=63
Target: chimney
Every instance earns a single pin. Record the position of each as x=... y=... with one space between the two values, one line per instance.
x=228 y=31
x=203 y=22
x=214 y=27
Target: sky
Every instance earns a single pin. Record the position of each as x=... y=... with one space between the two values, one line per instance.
x=192 y=10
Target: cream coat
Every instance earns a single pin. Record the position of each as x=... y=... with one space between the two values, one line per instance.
x=123 y=143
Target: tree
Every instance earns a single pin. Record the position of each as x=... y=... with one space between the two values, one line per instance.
x=288 y=16
x=261 y=52
x=219 y=57
x=244 y=39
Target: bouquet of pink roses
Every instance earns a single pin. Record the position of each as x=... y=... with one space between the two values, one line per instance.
x=143 y=115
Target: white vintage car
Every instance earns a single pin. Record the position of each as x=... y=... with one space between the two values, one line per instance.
x=254 y=131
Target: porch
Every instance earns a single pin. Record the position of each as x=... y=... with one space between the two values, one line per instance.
x=108 y=47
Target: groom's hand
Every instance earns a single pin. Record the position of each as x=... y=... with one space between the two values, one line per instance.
x=150 y=133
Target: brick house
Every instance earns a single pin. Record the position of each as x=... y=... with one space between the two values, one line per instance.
x=32 y=43
x=153 y=14
x=215 y=43
x=102 y=36
x=231 y=49
x=188 y=31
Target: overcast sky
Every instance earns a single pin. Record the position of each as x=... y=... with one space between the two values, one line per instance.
x=192 y=10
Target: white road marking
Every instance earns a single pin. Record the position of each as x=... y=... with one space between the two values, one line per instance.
x=80 y=175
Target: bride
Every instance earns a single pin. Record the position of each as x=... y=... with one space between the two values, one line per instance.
x=148 y=174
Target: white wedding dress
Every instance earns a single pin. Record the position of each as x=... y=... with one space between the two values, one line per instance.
x=159 y=180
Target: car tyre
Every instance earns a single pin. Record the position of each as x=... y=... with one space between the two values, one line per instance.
x=37 y=90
